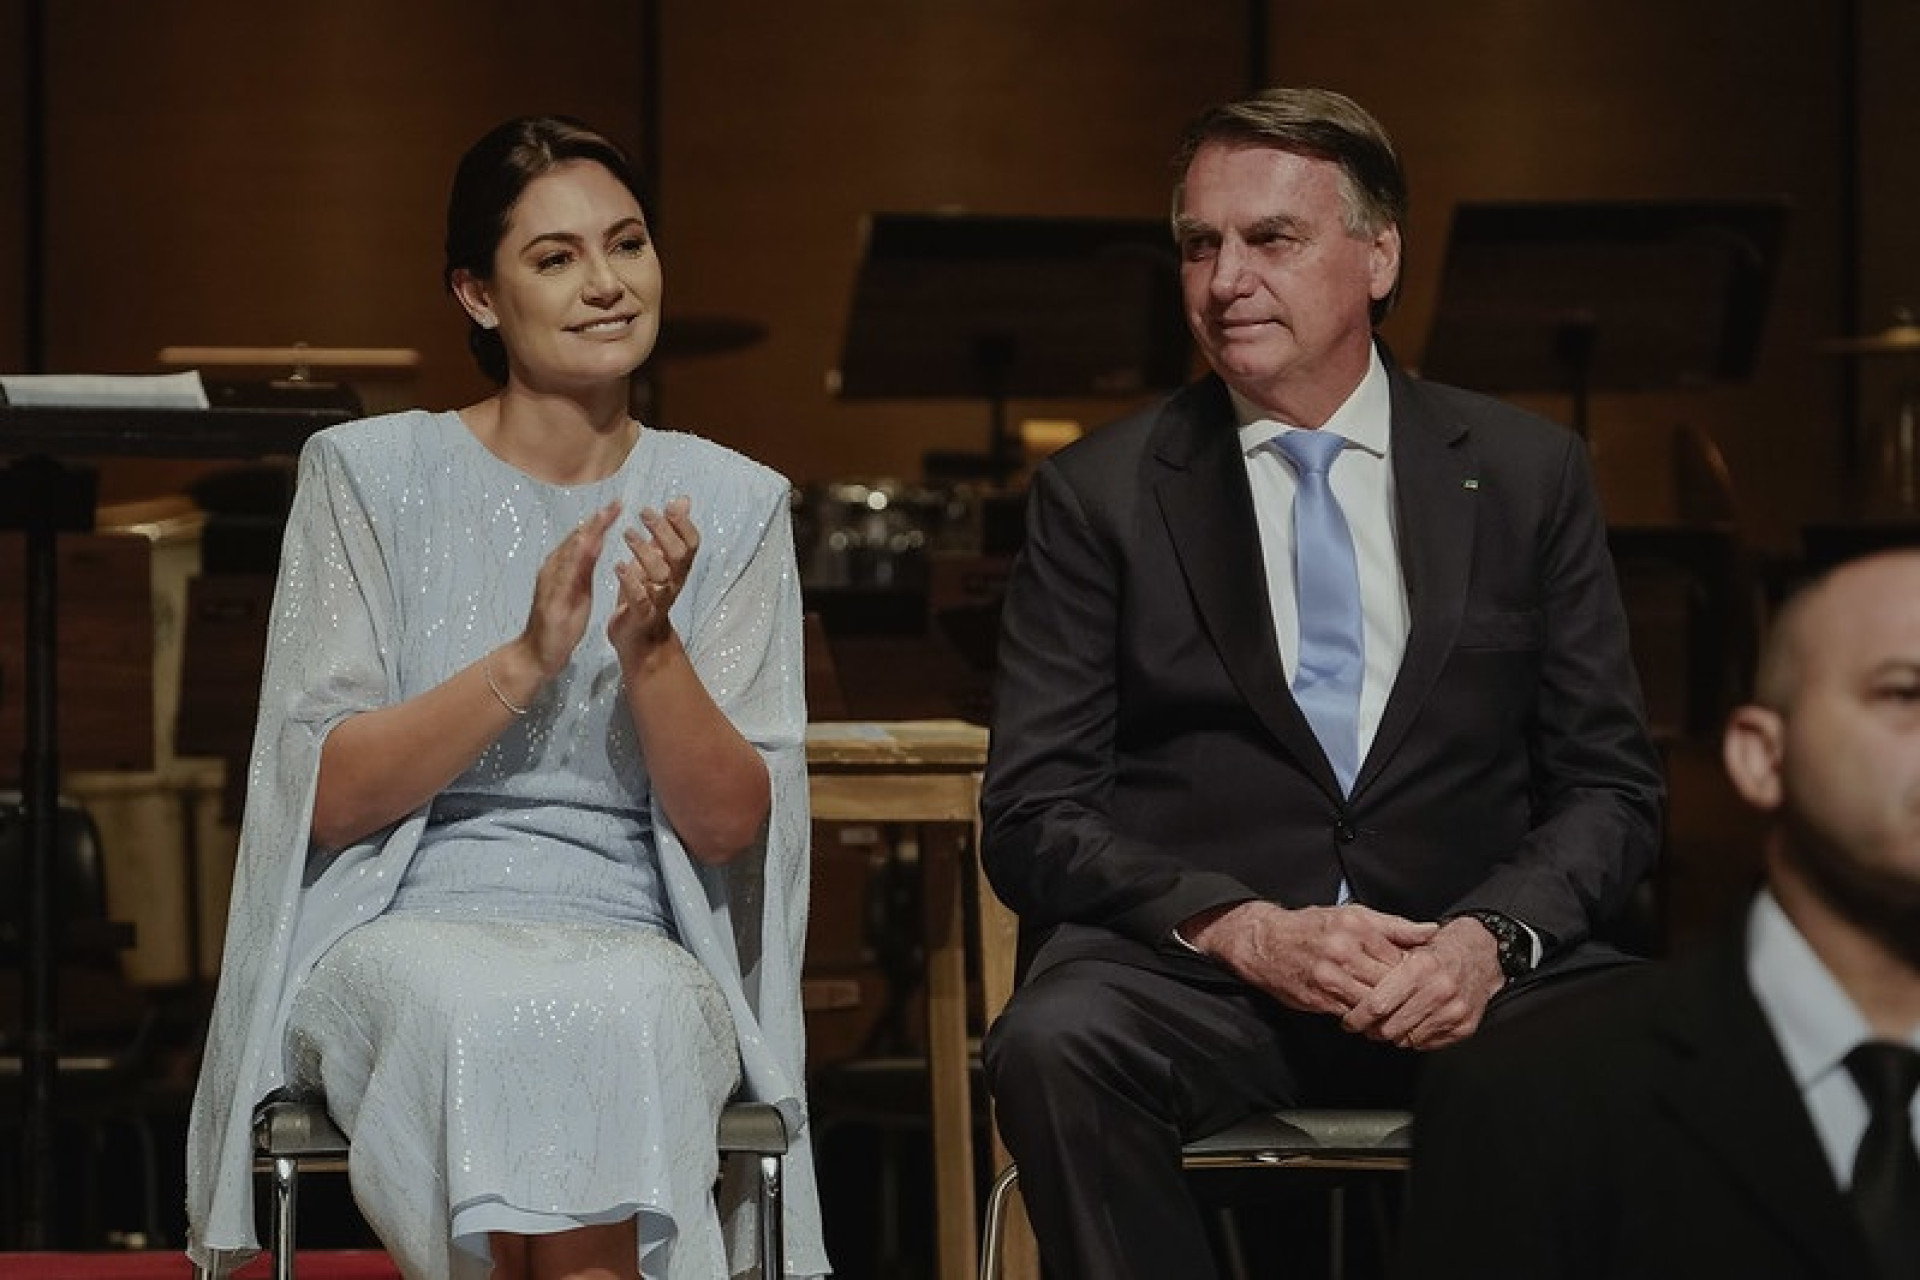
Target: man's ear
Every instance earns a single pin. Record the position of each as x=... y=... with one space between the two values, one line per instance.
x=1752 y=749
x=473 y=294
x=1383 y=262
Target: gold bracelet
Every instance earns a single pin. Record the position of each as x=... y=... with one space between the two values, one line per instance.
x=486 y=670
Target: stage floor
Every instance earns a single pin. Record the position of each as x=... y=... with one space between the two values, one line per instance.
x=315 y=1264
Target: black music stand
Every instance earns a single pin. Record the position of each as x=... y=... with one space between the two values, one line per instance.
x=1583 y=296
x=989 y=307
x=42 y=496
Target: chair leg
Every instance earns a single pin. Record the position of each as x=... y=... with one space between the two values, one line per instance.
x=773 y=1220
x=149 y=1181
x=887 y=1252
x=286 y=1193
x=990 y=1243
x=1233 y=1255
x=96 y=1146
x=1384 y=1215
x=1337 y=1233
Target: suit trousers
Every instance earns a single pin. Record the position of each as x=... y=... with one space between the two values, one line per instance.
x=1100 y=1070
x=1103 y=1065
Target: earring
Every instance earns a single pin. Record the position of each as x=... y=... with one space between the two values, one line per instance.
x=487 y=322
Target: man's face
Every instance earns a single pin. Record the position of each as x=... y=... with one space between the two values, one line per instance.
x=1277 y=290
x=1846 y=783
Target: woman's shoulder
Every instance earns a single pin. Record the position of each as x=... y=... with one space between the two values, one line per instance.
x=382 y=439
x=700 y=463
x=405 y=429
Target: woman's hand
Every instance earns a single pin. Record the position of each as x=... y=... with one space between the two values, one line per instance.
x=563 y=597
x=652 y=580
x=709 y=780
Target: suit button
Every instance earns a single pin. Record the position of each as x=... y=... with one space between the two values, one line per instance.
x=1343 y=831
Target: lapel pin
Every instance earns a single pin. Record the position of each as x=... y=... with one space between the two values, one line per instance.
x=1469 y=484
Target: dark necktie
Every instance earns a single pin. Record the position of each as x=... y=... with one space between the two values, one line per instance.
x=1886 y=1170
x=1326 y=577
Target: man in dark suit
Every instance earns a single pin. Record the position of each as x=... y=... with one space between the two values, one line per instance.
x=1265 y=842
x=1712 y=1116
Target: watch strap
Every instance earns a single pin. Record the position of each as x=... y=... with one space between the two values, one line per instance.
x=1514 y=942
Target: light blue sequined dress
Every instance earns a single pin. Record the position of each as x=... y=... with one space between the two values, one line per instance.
x=500 y=1008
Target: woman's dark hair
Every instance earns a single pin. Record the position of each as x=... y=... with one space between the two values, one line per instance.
x=491 y=178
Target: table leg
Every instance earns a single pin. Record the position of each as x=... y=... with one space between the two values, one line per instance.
x=999 y=946
x=948 y=1054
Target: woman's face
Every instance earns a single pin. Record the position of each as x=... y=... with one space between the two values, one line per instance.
x=575 y=291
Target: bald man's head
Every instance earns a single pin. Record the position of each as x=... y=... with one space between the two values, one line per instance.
x=1831 y=746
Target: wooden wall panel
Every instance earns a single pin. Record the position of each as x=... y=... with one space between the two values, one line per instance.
x=287 y=168
x=1506 y=99
x=233 y=173
x=13 y=351
x=783 y=124
x=1890 y=161
x=1888 y=273
x=105 y=654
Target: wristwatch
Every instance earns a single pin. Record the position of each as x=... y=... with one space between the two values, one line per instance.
x=1515 y=943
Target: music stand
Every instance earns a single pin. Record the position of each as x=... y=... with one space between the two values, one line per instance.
x=1583 y=296
x=970 y=306
x=42 y=496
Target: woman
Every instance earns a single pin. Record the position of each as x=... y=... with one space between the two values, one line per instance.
x=528 y=791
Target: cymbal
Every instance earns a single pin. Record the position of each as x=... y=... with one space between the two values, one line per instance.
x=705 y=335
x=1894 y=340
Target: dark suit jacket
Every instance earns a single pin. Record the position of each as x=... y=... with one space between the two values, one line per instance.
x=1148 y=760
x=1645 y=1128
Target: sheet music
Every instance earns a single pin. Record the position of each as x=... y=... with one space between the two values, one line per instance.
x=105 y=390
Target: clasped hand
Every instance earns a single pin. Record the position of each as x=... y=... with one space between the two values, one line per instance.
x=649 y=584
x=1410 y=983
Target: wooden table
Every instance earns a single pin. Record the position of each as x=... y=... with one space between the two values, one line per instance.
x=925 y=774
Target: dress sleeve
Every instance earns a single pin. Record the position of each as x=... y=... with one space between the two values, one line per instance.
x=326 y=659
x=746 y=920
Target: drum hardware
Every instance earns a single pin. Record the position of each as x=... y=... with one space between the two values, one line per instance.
x=1898 y=478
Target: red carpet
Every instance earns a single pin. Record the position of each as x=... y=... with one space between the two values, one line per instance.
x=317 y=1264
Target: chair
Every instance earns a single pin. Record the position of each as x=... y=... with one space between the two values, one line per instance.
x=107 y=1027
x=291 y=1136
x=1328 y=1139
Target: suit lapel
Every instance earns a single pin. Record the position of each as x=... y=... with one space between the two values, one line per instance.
x=1436 y=496
x=1731 y=1089
x=1207 y=504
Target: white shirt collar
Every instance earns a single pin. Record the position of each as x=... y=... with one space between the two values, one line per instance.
x=1364 y=418
x=1812 y=1016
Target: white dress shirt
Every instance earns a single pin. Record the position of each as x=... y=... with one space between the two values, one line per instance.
x=1362 y=480
x=1817 y=1025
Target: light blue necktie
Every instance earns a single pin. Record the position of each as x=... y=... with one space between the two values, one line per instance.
x=1326 y=578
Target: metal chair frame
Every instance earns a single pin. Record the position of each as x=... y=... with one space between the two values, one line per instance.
x=1326 y=1139
x=102 y=1080
x=295 y=1136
